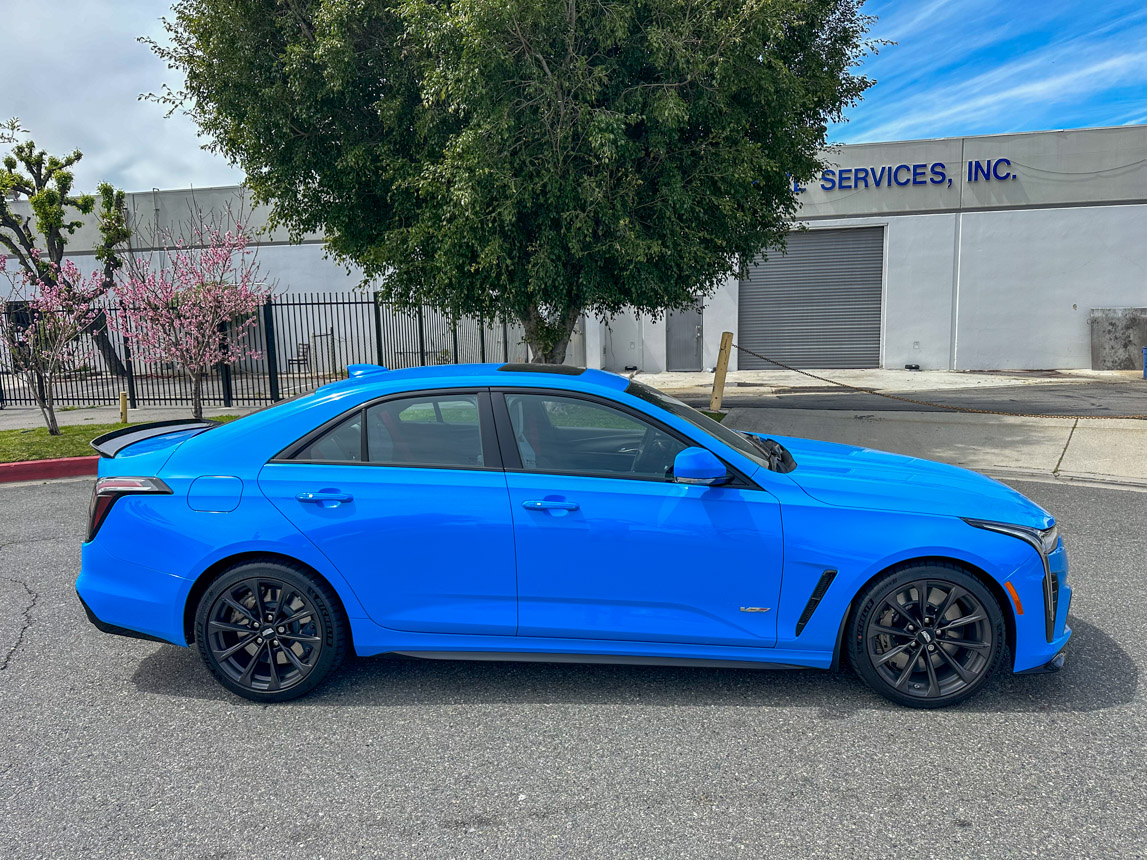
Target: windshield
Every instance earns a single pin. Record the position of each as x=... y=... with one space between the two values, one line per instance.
x=732 y=438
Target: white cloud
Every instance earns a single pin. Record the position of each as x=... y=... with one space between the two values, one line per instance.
x=72 y=70
x=973 y=67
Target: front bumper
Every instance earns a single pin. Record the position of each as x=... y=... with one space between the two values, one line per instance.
x=1039 y=645
x=1049 y=668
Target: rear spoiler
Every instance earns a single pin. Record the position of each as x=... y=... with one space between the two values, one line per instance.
x=110 y=444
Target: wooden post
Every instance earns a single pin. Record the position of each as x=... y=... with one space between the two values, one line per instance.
x=123 y=407
x=722 y=369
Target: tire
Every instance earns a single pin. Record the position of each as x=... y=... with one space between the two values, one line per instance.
x=917 y=656
x=270 y=631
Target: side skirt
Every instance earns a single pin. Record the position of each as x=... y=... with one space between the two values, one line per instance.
x=615 y=659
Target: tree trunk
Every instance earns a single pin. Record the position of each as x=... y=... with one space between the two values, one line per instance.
x=98 y=329
x=197 y=395
x=42 y=390
x=50 y=418
x=547 y=340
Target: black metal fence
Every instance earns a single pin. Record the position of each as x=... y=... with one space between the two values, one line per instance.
x=301 y=341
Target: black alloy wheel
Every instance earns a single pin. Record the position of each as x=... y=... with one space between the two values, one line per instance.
x=927 y=636
x=270 y=631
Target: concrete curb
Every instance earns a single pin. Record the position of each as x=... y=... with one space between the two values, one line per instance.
x=43 y=470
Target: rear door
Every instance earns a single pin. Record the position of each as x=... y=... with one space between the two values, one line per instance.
x=407 y=497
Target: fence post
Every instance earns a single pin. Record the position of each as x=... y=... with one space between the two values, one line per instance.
x=377 y=330
x=272 y=349
x=225 y=371
x=505 y=341
x=421 y=337
x=129 y=365
x=454 y=331
x=481 y=339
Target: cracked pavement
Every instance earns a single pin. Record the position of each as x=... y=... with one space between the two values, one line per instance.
x=120 y=748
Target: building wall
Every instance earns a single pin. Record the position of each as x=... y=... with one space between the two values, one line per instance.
x=997 y=271
x=1029 y=278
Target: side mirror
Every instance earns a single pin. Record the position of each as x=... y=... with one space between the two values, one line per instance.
x=699 y=466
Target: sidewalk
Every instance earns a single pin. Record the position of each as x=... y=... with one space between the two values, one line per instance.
x=1092 y=449
x=25 y=417
x=1068 y=448
x=894 y=381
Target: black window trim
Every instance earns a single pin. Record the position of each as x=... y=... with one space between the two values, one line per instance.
x=491 y=452
x=512 y=458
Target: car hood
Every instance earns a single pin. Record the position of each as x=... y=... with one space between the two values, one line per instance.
x=852 y=477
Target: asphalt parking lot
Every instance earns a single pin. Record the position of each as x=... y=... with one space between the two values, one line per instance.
x=122 y=748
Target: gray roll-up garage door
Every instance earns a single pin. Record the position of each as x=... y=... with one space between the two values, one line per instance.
x=818 y=305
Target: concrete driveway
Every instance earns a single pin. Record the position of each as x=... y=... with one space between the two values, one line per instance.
x=115 y=748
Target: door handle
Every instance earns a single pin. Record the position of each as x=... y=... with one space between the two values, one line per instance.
x=326 y=498
x=548 y=505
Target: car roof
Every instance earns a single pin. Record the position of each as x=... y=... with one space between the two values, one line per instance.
x=373 y=376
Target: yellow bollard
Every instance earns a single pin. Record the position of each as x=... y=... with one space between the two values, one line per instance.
x=722 y=369
x=123 y=407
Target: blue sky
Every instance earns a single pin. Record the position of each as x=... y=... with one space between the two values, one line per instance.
x=985 y=67
x=961 y=67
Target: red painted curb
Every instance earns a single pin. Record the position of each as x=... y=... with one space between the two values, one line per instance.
x=43 y=470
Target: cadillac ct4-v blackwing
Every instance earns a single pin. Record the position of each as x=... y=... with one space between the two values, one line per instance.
x=532 y=512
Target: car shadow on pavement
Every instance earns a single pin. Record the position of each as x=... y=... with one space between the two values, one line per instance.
x=1099 y=674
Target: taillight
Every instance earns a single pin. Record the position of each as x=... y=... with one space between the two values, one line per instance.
x=108 y=490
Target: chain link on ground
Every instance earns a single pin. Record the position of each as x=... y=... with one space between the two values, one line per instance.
x=947 y=406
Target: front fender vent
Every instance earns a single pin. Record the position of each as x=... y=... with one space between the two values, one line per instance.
x=1050 y=601
x=826 y=579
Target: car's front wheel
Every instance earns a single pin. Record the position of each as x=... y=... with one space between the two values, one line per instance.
x=927 y=636
x=270 y=631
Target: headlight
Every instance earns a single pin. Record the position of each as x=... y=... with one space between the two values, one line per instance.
x=1044 y=540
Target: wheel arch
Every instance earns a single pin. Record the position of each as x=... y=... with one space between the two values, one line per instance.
x=840 y=653
x=208 y=576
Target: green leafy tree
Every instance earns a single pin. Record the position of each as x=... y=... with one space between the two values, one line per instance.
x=38 y=239
x=535 y=160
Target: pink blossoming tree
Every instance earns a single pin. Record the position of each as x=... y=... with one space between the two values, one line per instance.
x=193 y=302
x=42 y=322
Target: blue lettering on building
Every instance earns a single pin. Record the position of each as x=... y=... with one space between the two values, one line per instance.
x=902 y=175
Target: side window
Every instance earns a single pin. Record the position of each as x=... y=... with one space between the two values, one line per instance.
x=425 y=431
x=341 y=444
x=565 y=434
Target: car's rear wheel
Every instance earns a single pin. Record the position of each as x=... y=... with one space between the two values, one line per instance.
x=927 y=636
x=270 y=631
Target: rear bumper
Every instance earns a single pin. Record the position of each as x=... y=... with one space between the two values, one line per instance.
x=129 y=599
x=104 y=627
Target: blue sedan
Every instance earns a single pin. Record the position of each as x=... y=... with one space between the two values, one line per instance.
x=532 y=512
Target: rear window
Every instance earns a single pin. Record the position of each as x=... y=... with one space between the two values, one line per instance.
x=438 y=431
x=341 y=444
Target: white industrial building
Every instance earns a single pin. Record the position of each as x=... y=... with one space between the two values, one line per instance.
x=970 y=253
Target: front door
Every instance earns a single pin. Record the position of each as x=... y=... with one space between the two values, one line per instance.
x=407 y=499
x=609 y=547
x=683 y=339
